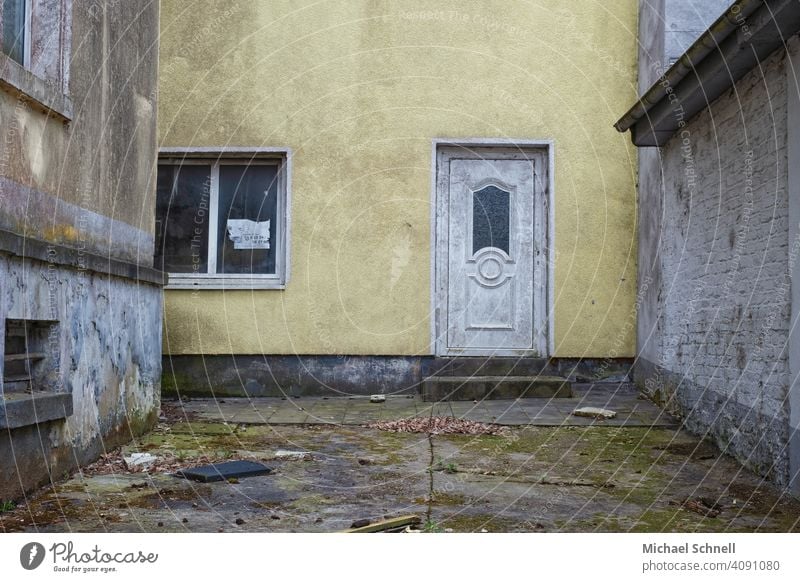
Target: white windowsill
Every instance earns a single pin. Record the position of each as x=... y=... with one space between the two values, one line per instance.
x=229 y=282
x=17 y=80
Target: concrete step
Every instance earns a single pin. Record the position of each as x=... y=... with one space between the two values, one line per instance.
x=439 y=388
x=490 y=366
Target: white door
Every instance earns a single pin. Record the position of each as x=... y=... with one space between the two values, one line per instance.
x=490 y=230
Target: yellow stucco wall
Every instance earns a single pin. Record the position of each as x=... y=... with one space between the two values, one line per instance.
x=358 y=88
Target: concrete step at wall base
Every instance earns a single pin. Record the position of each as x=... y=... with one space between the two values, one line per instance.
x=439 y=388
x=490 y=366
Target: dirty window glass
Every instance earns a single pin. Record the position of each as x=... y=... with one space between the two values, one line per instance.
x=12 y=28
x=490 y=219
x=182 y=214
x=248 y=204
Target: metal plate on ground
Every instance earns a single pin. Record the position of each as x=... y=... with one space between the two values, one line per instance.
x=224 y=471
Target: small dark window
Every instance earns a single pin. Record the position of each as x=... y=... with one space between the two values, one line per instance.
x=490 y=219
x=13 y=29
x=222 y=223
x=248 y=205
x=183 y=195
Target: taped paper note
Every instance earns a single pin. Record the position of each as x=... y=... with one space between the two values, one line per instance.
x=248 y=234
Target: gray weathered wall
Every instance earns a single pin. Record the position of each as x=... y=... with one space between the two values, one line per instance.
x=666 y=29
x=87 y=183
x=109 y=344
x=685 y=20
x=77 y=183
x=713 y=341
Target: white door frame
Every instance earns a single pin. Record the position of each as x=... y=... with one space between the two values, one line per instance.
x=543 y=318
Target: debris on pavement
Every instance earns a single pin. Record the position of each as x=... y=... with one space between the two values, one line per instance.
x=113 y=463
x=438 y=425
x=593 y=412
x=292 y=456
x=143 y=460
x=395 y=524
x=377 y=398
x=701 y=505
x=224 y=471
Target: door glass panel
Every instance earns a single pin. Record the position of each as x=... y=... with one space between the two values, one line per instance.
x=490 y=219
x=182 y=202
x=248 y=210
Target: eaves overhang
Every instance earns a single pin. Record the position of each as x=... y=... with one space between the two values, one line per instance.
x=748 y=32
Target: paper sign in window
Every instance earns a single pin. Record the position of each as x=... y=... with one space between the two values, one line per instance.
x=248 y=234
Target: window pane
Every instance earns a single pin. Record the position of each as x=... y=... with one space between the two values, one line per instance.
x=13 y=29
x=490 y=219
x=182 y=202
x=248 y=205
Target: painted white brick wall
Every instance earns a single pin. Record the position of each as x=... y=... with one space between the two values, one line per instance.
x=724 y=305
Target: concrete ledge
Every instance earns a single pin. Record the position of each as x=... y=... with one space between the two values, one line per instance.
x=21 y=83
x=18 y=410
x=440 y=388
x=29 y=248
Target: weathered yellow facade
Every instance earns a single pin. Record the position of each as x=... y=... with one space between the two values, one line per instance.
x=358 y=89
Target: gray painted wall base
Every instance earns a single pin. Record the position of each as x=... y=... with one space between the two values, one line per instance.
x=104 y=362
x=293 y=376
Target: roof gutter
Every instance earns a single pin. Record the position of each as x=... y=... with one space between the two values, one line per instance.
x=748 y=31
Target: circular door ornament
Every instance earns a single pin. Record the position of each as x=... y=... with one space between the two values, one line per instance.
x=490 y=269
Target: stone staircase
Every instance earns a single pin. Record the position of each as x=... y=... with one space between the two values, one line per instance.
x=493 y=378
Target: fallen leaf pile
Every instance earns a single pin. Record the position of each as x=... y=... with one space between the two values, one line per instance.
x=438 y=425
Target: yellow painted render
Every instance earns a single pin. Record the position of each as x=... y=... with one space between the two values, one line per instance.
x=358 y=89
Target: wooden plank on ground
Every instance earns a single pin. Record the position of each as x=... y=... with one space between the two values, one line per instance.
x=386 y=524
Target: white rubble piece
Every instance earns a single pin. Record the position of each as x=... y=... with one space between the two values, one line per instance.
x=377 y=398
x=292 y=456
x=592 y=412
x=143 y=460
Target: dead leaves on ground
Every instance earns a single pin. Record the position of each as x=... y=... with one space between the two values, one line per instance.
x=439 y=425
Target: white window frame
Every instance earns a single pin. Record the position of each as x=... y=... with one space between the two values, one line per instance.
x=216 y=156
x=28 y=29
x=26 y=41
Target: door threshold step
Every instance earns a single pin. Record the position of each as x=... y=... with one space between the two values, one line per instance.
x=490 y=366
x=439 y=388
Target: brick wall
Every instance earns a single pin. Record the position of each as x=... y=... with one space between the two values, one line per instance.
x=723 y=298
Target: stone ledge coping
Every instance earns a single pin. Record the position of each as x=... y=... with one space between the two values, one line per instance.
x=18 y=81
x=29 y=248
x=18 y=410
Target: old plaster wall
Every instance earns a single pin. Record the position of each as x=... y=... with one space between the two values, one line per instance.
x=107 y=348
x=358 y=89
x=87 y=182
x=723 y=291
x=684 y=20
x=76 y=205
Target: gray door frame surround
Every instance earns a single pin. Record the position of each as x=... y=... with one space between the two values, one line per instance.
x=544 y=237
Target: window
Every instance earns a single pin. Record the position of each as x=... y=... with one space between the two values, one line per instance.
x=222 y=218
x=35 y=40
x=491 y=209
x=15 y=25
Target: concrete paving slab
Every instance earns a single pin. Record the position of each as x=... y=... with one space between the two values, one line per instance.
x=529 y=479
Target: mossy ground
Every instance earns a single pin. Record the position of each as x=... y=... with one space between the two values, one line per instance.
x=530 y=479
